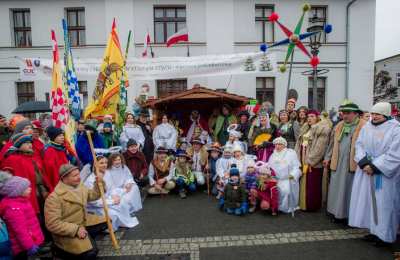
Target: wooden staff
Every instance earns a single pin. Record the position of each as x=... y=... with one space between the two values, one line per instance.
x=101 y=188
x=208 y=181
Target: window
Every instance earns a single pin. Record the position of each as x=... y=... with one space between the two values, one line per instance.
x=265 y=89
x=83 y=91
x=170 y=87
x=320 y=91
x=22 y=27
x=264 y=28
x=398 y=79
x=25 y=92
x=76 y=26
x=318 y=16
x=167 y=21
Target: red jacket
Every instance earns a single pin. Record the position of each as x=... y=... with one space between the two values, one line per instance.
x=37 y=147
x=22 y=224
x=22 y=165
x=136 y=163
x=54 y=158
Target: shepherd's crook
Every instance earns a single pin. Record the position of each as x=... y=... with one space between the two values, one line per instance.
x=101 y=188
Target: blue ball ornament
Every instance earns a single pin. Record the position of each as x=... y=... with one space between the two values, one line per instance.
x=263 y=47
x=328 y=28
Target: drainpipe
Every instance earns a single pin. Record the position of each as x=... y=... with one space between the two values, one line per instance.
x=346 y=86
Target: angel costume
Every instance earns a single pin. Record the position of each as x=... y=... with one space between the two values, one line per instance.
x=286 y=164
x=115 y=179
x=131 y=131
x=165 y=135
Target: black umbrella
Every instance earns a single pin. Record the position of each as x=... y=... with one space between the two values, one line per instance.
x=33 y=107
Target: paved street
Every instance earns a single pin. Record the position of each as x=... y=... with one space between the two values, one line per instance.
x=171 y=228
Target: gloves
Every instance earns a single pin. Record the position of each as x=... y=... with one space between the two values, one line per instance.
x=221 y=203
x=33 y=250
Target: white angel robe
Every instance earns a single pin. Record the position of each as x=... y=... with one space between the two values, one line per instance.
x=222 y=166
x=241 y=165
x=130 y=202
x=285 y=164
x=131 y=131
x=165 y=135
x=382 y=144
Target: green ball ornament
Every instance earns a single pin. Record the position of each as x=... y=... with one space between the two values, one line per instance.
x=306 y=7
x=282 y=68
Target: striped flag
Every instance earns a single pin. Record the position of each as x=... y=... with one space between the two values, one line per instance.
x=180 y=36
x=60 y=114
x=70 y=77
x=147 y=41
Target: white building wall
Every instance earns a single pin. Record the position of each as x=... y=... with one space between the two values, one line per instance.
x=215 y=27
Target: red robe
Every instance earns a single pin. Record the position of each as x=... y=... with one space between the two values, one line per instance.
x=202 y=123
x=22 y=165
x=54 y=158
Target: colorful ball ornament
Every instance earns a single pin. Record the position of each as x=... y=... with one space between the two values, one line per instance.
x=306 y=7
x=263 y=47
x=273 y=17
x=314 y=61
x=282 y=68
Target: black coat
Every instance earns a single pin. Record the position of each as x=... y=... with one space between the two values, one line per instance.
x=148 y=147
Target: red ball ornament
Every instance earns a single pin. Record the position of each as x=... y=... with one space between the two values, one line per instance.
x=314 y=61
x=273 y=17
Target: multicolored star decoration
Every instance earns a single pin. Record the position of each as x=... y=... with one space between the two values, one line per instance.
x=295 y=38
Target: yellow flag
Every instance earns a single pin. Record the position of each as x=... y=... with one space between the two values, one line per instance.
x=105 y=98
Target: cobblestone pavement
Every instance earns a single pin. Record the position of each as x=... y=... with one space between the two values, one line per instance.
x=174 y=229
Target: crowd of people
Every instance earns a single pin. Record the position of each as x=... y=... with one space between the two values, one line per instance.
x=297 y=159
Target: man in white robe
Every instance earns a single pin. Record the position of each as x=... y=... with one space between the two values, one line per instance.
x=375 y=197
x=165 y=135
x=286 y=165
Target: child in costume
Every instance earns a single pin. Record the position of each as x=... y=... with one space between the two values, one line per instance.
x=222 y=168
x=234 y=200
x=20 y=217
x=214 y=155
x=250 y=181
x=267 y=188
x=183 y=175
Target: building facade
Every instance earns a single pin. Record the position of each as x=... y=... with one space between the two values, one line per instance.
x=387 y=80
x=215 y=27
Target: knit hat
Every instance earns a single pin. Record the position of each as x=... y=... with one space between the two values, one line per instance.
x=108 y=117
x=131 y=142
x=107 y=125
x=280 y=140
x=382 y=108
x=348 y=106
x=313 y=112
x=14 y=186
x=36 y=124
x=65 y=169
x=19 y=127
x=251 y=164
x=233 y=171
x=91 y=125
x=228 y=148
x=292 y=100
x=244 y=113
x=53 y=132
x=21 y=138
x=237 y=148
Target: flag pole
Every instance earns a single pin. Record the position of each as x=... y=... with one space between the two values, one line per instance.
x=188 y=52
x=101 y=188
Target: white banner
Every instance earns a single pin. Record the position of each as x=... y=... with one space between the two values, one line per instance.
x=161 y=68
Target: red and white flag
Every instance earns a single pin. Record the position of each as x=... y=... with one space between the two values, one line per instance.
x=180 y=36
x=147 y=41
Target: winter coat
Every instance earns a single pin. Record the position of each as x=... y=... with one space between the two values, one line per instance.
x=148 y=147
x=65 y=211
x=22 y=224
x=316 y=146
x=136 y=162
x=54 y=158
x=83 y=148
x=234 y=197
x=5 y=135
x=24 y=165
x=110 y=139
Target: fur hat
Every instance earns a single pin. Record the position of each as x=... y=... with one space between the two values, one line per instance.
x=20 y=138
x=65 y=169
x=14 y=186
x=19 y=127
x=382 y=108
x=53 y=132
x=280 y=140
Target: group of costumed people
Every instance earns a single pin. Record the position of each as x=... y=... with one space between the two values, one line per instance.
x=249 y=160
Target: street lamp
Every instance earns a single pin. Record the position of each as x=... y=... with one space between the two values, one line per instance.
x=317 y=25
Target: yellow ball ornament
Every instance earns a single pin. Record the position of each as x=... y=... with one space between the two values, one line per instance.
x=306 y=7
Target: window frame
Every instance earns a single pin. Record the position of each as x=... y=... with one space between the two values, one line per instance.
x=76 y=28
x=166 y=93
x=84 y=93
x=26 y=96
x=325 y=22
x=264 y=20
x=310 y=92
x=24 y=29
x=264 y=89
x=165 y=20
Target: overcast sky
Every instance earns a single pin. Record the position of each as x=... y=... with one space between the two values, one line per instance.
x=387 y=33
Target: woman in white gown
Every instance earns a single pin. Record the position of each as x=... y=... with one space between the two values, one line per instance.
x=122 y=193
x=131 y=131
x=286 y=165
x=165 y=135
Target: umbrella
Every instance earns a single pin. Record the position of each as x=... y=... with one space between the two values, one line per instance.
x=32 y=107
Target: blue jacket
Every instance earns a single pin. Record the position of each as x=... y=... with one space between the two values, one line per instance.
x=83 y=148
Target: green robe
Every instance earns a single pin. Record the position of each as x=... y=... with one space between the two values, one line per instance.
x=220 y=132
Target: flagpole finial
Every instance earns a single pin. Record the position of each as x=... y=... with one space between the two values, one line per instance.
x=114 y=24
